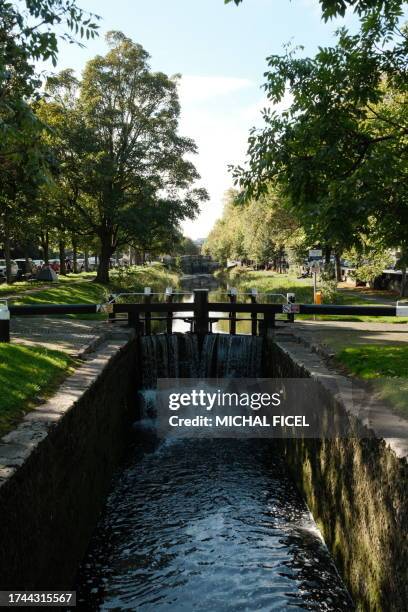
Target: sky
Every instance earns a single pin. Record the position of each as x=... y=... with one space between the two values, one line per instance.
x=220 y=51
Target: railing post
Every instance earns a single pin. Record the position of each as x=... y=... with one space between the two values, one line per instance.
x=201 y=326
x=291 y=299
x=148 y=315
x=4 y=322
x=232 y=293
x=254 y=316
x=169 y=300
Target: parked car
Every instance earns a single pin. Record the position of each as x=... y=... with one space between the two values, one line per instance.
x=26 y=268
x=3 y=273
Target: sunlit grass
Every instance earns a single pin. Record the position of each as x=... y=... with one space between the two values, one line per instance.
x=271 y=282
x=385 y=366
x=26 y=373
x=83 y=290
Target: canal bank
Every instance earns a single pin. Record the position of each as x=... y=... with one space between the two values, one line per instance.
x=57 y=471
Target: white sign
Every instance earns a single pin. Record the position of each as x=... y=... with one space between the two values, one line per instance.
x=316 y=253
x=315 y=267
x=290 y=308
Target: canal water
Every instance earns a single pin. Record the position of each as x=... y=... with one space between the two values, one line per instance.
x=206 y=524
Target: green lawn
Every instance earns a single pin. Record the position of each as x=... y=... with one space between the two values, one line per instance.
x=25 y=374
x=385 y=366
x=271 y=282
x=81 y=289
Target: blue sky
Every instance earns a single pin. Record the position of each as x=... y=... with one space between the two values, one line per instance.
x=220 y=51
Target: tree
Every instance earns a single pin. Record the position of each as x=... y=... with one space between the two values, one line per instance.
x=186 y=246
x=257 y=230
x=26 y=35
x=122 y=160
x=340 y=151
x=333 y=8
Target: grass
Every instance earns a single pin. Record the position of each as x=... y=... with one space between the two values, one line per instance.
x=271 y=282
x=77 y=289
x=26 y=373
x=386 y=367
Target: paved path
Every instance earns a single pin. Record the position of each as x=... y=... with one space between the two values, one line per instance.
x=334 y=335
x=72 y=336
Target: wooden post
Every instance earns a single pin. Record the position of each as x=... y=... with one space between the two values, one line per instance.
x=291 y=299
x=254 y=316
x=148 y=315
x=135 y=322
x=268 y=324
x=4 y=322
x=233 y=315
x=201 y=323
x=169 y=300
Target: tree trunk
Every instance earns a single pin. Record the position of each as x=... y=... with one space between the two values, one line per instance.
x=45 y=245
x=7 y=251
x=404 y=282
x=75 y=254
x=86 y=260
x=63 y=267
x=104 y=260
x=338 y=267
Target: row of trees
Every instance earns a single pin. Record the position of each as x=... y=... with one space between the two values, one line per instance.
x=259 y=231
x=97 y=161
x=338 y=155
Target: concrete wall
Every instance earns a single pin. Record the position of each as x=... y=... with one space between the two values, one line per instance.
x=356 y=489
x=56 y=469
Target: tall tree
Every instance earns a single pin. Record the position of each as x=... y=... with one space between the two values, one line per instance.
x=118 y=141
x=340 y=150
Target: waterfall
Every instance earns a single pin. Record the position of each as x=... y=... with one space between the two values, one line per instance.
x=177 y=356
x=168 y=356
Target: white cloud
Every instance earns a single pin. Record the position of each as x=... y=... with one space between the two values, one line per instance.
x=221 y=136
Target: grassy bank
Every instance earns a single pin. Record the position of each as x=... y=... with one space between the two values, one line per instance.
x=385 y=367
x=271 y=282
x=27 y=373
x=82 y=289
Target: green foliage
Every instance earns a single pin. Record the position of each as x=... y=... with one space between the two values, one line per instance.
x=339 y=152
x=25 y=373
x=124 y=175
x=186 y=246
x=136 y=278
x=28 y=32
x=333 y=8
x=73 y=291
x=257 y=230
x=370 y=265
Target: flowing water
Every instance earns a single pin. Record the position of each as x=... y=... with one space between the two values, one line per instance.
x=211 y=525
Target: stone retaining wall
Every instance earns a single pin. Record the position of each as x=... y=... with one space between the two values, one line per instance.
x=56 y=469
x=356 y=489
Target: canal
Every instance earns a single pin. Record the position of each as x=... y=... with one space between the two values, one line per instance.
x=205 y=524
